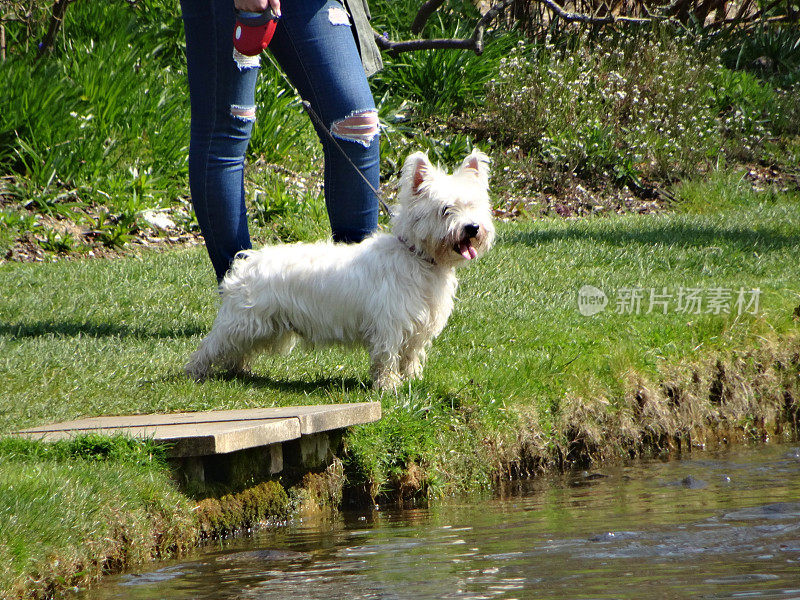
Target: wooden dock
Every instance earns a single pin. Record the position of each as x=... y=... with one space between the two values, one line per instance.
x=219 y=444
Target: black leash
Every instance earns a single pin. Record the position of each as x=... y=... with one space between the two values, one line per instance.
x=315 y=118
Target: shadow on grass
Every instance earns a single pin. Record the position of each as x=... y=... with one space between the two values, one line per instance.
x=75 y=329
x=673 y=233
x=285 y=386
x=333 y=384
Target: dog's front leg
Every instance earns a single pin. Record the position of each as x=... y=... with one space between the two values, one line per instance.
x=412 y=357
x=229 y=344
x=384 y=369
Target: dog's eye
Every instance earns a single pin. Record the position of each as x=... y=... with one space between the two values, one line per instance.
x=446 y=210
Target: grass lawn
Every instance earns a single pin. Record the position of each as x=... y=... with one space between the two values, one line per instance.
x=91 y=337
x=100 y=337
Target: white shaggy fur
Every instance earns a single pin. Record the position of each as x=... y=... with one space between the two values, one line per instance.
x=392 y=293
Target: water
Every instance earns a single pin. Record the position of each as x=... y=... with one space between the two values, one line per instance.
x=715 y=526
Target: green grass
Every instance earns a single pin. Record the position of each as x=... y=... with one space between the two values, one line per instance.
x=63 y=507
x=104 y=122
x=95 y=337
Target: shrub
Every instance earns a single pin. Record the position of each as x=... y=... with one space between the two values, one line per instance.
x=92 y=110
x=443 y=82
x=436 y=83
x=625 y=107
x=112 y=100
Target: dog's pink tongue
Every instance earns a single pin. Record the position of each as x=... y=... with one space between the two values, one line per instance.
x=467 y=251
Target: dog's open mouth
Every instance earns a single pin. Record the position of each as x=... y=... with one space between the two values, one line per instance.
x=466 y=249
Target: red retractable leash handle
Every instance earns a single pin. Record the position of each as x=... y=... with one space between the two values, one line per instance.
x=253 y=31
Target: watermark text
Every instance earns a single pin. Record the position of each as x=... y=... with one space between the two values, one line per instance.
x=682 y=300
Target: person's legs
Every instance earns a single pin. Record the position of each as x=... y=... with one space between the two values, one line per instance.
x=221 y=91
x=314 y=45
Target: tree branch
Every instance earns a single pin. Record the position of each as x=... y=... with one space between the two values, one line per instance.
x=742 y=9
x=423 y=14
x=677 y=11
x=384 y=43
x=474 y=42
x=583 y=18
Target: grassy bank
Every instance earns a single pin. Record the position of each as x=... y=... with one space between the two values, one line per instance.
x=69 y=512
x=519 y=379
x=73 y=510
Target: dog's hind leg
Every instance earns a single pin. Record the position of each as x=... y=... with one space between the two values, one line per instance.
x=280 y=343
x=229 y=345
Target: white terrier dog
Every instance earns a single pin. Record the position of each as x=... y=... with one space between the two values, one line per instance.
x=392 y=293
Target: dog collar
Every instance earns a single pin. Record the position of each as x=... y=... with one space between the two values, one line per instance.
x=413 y=249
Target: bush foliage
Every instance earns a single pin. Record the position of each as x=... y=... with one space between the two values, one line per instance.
x=627 y=107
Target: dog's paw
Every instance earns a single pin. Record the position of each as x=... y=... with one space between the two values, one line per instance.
x=198 y=376
x=387 y=381
x=411 y=369
x=196 y=372
x=238 y=371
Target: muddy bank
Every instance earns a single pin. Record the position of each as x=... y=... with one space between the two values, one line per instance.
x=741 y=396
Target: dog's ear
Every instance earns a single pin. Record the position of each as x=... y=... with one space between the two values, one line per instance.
x=477 y=163
x=416 y=170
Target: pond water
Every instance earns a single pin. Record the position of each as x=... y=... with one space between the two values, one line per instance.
x=723 y=525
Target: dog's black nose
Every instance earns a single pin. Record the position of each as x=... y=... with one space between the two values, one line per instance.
x=471 y=230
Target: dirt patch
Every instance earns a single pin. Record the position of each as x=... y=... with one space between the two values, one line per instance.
x=524 y=195
x=78 y=236
x=763 y=178
x=575 y=198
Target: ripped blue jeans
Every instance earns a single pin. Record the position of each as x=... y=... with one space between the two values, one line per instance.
x=316 y=48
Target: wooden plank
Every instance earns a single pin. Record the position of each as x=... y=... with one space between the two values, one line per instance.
x=200 y=439
x=217 y=432
x=313 y=418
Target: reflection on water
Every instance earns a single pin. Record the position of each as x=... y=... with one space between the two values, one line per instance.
x=715 y=526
